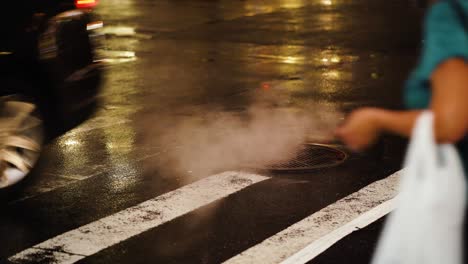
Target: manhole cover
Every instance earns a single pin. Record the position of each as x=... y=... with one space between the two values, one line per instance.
x=310 y=157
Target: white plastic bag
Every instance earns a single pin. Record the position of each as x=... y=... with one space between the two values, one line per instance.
x=427 y=226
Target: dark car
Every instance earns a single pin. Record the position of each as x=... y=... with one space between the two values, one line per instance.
x=49 y=77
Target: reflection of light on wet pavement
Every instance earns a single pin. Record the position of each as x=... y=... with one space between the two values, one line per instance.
x=71 y=142
x=292 y=3
x=75 y=156
x=119 y=139
x=109 y=136
x=329 y=21
x=258 y=8
x=334 y=59
x=116 y=56
x=120 y=54
x=298 y=55
x=123 y=31
x=337 y=75
x=119 y=143
x=263 y=7
x=284 y=59
x=287 y=62
x=296 y=65
x=266 y=86
x=329 y=56
x=292 y=59
x=123 y=9
x=94 y=25
x=110 y=145
x=333 y=74
x=253 y=10
x=119 y=30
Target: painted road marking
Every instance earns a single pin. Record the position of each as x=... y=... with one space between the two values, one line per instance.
x=309 y=237
x=325 y=242
x=89 y=239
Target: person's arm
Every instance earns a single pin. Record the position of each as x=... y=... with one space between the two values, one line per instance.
x=396 y=122
x=363 y=126
x=449 y=104
x=450 y=100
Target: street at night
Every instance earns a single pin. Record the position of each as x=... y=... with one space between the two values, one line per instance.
x=198 y=99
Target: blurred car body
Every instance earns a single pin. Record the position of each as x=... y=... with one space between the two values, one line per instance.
x=49 y=78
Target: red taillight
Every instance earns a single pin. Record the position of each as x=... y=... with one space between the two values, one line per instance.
x=85 y=3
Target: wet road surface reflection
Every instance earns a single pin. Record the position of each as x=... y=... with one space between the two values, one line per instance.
x=223 y=56
x=194 y=88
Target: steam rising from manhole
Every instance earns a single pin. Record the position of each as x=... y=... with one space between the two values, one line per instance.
x=308 y=157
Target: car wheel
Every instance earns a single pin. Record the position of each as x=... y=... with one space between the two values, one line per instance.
x=21 y=138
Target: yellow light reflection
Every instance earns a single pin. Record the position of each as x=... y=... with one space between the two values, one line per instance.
x=333 y=74
x=292 y=3
x=110 y=146
x=333 y=59
x=328 y=21
x=119 y=133
x=81 y=2
x=117 y=56
x=127 y=9
x=327 y=2
x=119 y=143
x=75 y=155
x=258 y=9
x=71 y=142
x=119 y=30
x=263 y=8
x=292 y=59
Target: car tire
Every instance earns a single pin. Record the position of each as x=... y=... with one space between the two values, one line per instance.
x=22 y=137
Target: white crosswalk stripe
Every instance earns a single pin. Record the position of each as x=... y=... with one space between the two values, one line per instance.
x=89 y=239
x=298 y=243
x=306 y=239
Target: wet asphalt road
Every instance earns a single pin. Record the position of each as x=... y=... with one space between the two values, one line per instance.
x=173 y=61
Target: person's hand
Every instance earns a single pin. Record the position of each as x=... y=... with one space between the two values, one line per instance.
x=361 y=129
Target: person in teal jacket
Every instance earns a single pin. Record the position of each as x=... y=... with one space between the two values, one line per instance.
x=439 y=82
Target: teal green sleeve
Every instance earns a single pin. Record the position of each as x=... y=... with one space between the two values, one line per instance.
x=445 y=37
